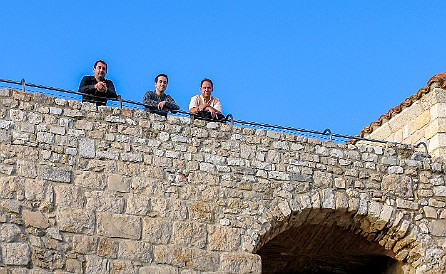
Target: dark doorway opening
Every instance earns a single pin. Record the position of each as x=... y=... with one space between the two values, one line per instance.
x=325 y=249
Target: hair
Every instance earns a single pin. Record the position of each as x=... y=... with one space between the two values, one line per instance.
x=100 y=61
x=206 y=80
x=161 y=74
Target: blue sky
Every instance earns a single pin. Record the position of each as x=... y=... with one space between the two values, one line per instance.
x=303 y=64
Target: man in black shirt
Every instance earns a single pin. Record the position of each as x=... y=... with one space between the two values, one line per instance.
x=96 y=89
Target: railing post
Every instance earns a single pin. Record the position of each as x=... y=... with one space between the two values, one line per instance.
x=23 y=85
x=328 y=131
x=232 y=118
x=424 y=145
x=120 y=101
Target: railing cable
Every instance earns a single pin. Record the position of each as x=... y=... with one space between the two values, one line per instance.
x=229 y=117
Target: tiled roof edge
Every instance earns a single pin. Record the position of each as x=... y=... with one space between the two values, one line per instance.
x=439 y=78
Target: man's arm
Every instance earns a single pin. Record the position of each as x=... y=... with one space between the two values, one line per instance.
x=216 y=104
x=148 y=101
x=87 y=86
x=170 y=103
x=193 y=105
x=111 y=92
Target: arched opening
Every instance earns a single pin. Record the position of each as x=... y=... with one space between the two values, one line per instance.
x=320 y=248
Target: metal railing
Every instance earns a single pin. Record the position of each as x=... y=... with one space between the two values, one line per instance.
x=326 y=134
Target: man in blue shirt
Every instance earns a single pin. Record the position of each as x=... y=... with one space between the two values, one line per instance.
x=158 y=101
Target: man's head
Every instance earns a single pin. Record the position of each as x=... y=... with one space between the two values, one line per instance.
x=100 y=70
x=161 y=81
x=206 y=87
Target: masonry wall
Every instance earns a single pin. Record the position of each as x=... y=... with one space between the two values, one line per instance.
x=423 y=121
x=101 y=190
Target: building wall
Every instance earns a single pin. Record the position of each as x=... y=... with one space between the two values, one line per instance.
x=102 y=190
x=423 y=121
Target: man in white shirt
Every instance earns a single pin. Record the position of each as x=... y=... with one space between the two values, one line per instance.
x=204 y=105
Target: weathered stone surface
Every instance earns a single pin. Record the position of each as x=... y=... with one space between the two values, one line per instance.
x=162 y=269
x=9 y=233
x=240 y=262
x=86 y=189
x=84 y=244
x=189 y=234
x=118 y=183
x=55 y=174
x=96 y=265
x=15 y=253
x=224 y=238
x=91 y=180
x=438 y=228
x=69 y=196
x=135 y=251
x=105 y=201
x=35 y=219
x=75 y=220
x=119 y=226
x=157 y=231
x=87 y=148
x=401 y=185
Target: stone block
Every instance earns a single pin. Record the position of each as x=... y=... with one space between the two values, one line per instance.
x=55 y=174
x=341 y=199
x=159 y=269
x=91 y=180
x=222 y=238
x=438 y=110
x=108 y=247
x=138 y=205
x=201 y=260
x=75 y=220
x=399 y=184
x=46 y=259
x=171 y=255
x=400 y=203
x=430 y=212
x=87 y=148
x=84 y=244
x=438 y=228
x=157 y=231
x=135 y=251
x=440 y=191
x=119 y=183
x=26 y=169
x=15 y=253
x=69 y=196
x=9 y=233
x=189 y=234
x=323 y=179
x=37 y=190
x=45 y=137
x=35 y=219
x=58 y=130
x=105 y=201
x=73 y=265
x=202 y=212
x=96 y=265
x=119 y=226
x=240 y=262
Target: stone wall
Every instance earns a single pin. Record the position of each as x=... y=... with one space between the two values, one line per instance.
x=423 y=120
x=102 y=190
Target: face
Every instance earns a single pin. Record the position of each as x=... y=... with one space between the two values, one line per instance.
x=161 y=84
x=100 y=71
x=206 y=89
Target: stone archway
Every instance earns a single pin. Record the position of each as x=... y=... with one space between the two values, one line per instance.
x=312 y=248
x=326 y=240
